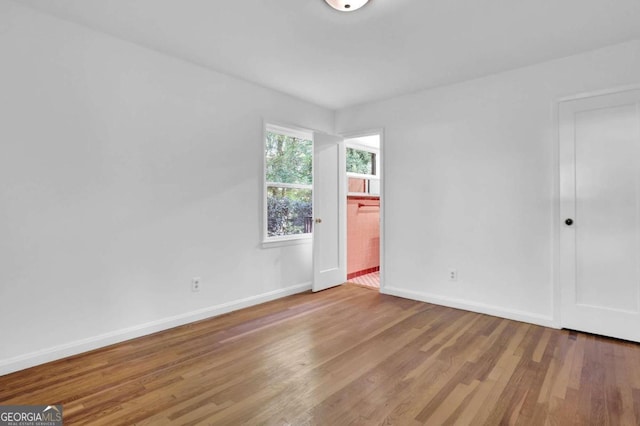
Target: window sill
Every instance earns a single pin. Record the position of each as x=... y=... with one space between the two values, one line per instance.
x=287 y=241
x=362 y=195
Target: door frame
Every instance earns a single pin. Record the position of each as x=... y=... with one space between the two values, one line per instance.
x=371 y=132
x=556 y=299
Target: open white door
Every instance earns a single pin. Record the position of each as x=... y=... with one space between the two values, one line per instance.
x=600 y=214
x=329 y=210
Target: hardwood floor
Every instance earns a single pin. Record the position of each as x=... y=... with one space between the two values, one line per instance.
x=344 y=356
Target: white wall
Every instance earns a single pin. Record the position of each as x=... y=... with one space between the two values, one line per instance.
x=124 y=173
x=470 y=183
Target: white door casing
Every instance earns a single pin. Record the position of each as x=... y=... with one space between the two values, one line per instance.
x=600 y=192
x=329 y=210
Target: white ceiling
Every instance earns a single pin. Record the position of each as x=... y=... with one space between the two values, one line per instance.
x=372 y=141
x=389 y=47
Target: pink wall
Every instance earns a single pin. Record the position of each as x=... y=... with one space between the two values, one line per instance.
x=363 y=235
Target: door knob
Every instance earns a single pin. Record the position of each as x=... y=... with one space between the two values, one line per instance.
x=569 y=222
x=318 y=220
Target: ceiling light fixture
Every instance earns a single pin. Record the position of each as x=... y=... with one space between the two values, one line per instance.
x=346 y=5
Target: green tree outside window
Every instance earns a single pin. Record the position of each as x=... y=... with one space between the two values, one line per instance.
x=289 y=176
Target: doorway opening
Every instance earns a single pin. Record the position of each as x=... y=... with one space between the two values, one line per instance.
x=363 y=172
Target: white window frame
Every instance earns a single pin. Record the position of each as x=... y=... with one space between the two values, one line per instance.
x=365 y=148
x=295 y=132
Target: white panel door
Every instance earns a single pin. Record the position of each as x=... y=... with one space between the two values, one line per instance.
x=600 y=214
x=329 y=210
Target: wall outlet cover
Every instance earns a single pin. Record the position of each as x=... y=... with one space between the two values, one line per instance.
x=195 y=283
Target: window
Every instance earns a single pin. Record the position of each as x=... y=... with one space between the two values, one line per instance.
x=362 y=171
x=361 y=162
x=288 y=183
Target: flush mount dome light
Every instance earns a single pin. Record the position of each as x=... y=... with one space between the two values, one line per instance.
x=346 y=5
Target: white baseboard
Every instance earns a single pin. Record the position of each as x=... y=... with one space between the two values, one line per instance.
x=31 y=359
x=482 y=308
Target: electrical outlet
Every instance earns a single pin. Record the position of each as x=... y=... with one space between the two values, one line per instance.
x=453 y=275
x=195 y=284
